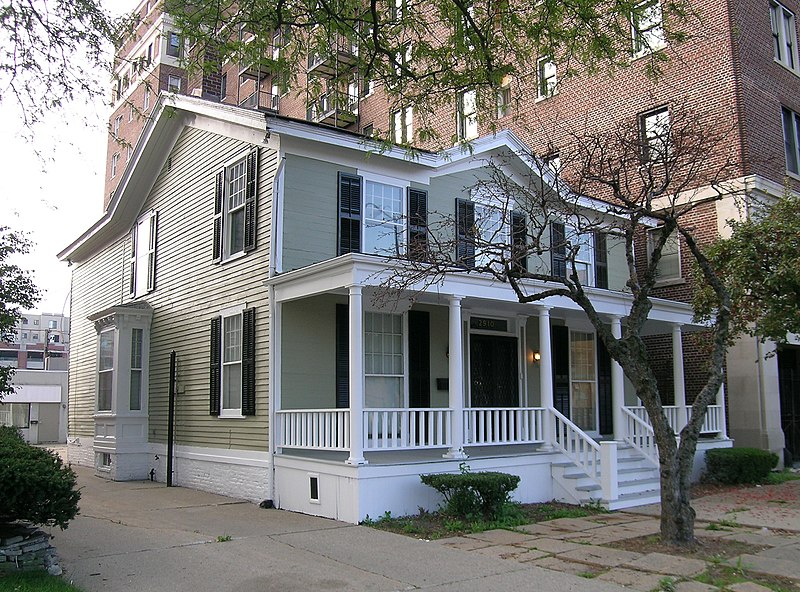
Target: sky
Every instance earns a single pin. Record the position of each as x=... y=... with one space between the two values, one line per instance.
x=56 y=196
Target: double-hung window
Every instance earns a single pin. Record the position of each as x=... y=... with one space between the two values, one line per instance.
x=791 y=140
x=105 y=369
x=547 y=78
x=235 y=208
x=403 y=125
x=492 y=228
x=137 y=341
x=114 y=164
x=142 y=276
x=488 y=232
x=173 y=44
x=647 y=26
x=384 y=218
x=784 y=35
x=467 y=115
x=654 y=128
x=233 y=363
x=383 y=360
x=174 y=84
x=669 y=266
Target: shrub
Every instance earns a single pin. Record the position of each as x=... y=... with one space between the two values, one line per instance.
x=739 y=465
x=469 y=495
x=35 y=485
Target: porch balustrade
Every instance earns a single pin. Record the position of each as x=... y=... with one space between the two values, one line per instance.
x=639 y=434
x=579 y=447
x=712 y=424
x=496 y=426
x=405 y=429
x=317 y=429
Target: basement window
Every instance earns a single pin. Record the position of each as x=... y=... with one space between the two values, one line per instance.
x=313 y=488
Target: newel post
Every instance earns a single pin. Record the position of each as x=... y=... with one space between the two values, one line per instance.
x=609 y=477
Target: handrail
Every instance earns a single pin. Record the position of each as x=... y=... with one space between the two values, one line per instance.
x=640 y=435
x=578 y=446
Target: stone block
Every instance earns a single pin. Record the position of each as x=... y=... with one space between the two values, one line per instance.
x=601 y=556
x=668 y=564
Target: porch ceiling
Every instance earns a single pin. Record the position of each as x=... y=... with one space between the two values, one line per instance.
x=480 y=293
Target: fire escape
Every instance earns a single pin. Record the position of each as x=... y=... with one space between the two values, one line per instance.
x=337 y=104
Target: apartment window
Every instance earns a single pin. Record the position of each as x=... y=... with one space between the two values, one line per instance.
x=647 y=28
x=467 y=115
x=235 y=208
x=791 y=140
x=142 y=265
x=129 y=150
x=149 y=54
x=403 y=125
x=233 y=363
x=24 y=335
x=547 y=78
x=552 y=163
x=223 y=86
x=383 y=360
x=117 y=124
x=173 y=44
x=17 y=415
x=24 y=321
x=105 y=369
x=583 y=380
x=130 y=112
x=52 y=324
x=654 y=127
x=174 y=84
x=35 y=337
x=784 y=35
x=384 y=219
x=10 y=358
x=504 y=100
x=402 y=58
x=146 y=100
x=114 y=164
x=137 y=339
x=669 y=266
x=35 y=321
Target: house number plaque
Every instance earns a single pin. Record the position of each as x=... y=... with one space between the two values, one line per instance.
x=484 y=324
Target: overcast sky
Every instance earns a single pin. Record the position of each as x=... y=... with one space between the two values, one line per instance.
x=56 y=197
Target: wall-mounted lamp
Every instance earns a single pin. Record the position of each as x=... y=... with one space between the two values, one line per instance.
x=534 y=357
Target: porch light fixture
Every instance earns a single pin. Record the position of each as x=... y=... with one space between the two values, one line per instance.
x=534 y=357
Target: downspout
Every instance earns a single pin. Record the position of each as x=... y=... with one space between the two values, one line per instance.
x=171 y=418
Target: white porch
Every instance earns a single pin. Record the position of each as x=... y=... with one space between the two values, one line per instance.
x=350 y=460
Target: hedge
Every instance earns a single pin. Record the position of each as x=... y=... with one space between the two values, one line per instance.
x=739 y=465
x=469 y=495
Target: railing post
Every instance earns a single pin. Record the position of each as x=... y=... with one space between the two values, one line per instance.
x=546 y=377
x=723 y=427
x=677 y=378
x=456 y=381
x=609 y=478
x=356 y=338
x=617 y=385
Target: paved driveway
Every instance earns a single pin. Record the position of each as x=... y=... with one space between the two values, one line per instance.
x=142 y=536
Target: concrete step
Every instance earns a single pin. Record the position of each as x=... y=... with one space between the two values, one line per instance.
x=638 y=485
x=633 y=500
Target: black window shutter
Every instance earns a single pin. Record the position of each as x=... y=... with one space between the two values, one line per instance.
x=519 y=242
x=219 y=193
x=215 y=369
x=558 y=250
x=465 y=224
x=251 y=192
x=417 y=224
x=605 y=409
x=249 y=361
x=560 y=348
x=600 y=261
x=342 y=357
x=419 y=359
x=349 y=214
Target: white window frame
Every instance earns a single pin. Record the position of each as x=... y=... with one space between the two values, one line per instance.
x=492 y=222
x=169 y=46
x=397 y=224
x=117 y=125
x=143 y=254
x=467 y=115
x=546 y=78
x=114 y=164
x=672 y=249
x=655 y=133
x=370 y=367
x=233 y=214
x=784 y=36
x=791 y=140
x=102 y=371
x=590 y=381
x=172 y=85
x=584 y=258
x=647 y=28
x=146 y=100
x=504 y=100
x=136 y=369
x=231 y=365
x=402 y=123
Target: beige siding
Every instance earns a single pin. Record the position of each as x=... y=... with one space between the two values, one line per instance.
x=191 y=290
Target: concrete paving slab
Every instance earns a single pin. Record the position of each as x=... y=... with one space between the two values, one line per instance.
x=531 y=555
x=531 y=579
x=544 y=529
x=767 y=565
x=600 y=556
x=748 y=587
x=574 y=524
x=784 y=552
x=630 y=578
x=756 y=538
x=463 y=543
x=502 y=537
x=501 y=551
x=692 y=586
x=552 y=545
x=668 y=564
x=564 y=566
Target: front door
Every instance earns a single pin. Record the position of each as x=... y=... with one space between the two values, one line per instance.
x=789 y=386
x=494 y=374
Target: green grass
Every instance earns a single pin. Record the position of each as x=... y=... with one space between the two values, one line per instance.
x=778 y=477
x=34 y=581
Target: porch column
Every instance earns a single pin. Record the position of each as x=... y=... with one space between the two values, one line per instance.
x=546 y=374
x=679 y=386
x=723 y=419
x=356 y=381
x=617 y=385
x=456 y=381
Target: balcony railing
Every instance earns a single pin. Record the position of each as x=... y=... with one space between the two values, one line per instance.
x=337 y=61
x=497 y=426
x=263 y=100
x=334 y=108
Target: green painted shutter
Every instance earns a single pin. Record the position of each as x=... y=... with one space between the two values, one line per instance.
x=605 y=409
x=342 y=357
x=219 y=194
x=249 y=361
x=417 y=224
x=251 y=194
x=349 y=214
x=216 y=366
x=519 y=243
x=600 y=261
x=558 y=250
x=419 y=359
x=465 y=225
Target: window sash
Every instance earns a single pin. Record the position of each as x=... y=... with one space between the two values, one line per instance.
x=232 y=363
x=384 y=219
x=648 y=29
x=384 y=359
x=669 y=266
x=547 y=73
x=467 y=115
x=784 y=35
x=791 y=138
x=655 y=134
x=137 y=340
x=403 y=125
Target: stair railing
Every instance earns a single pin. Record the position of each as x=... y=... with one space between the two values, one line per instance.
x=640 y=435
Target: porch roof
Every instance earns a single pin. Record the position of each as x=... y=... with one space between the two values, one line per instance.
x=480 y=292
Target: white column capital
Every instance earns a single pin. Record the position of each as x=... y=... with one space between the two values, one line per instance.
x=544 y=311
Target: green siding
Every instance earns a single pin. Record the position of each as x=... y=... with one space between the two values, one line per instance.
x=617 y=264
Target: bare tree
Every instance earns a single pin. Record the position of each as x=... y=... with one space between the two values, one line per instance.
x=624 y=184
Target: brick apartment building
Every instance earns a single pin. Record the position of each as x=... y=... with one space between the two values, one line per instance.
x=740 y=69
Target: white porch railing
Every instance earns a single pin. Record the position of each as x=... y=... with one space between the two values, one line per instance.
x=676 y=416
x=640 y=435
x=577 y=445
x=318 y=429
x=496 y=426
x=406 y=429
